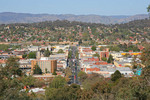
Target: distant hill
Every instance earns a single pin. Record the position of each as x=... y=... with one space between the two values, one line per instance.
x=10 y=17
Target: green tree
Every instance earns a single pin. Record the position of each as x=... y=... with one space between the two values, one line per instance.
x=110 y=59
x=54 y=73
x=39 y=83
x=102 y=48
x=93 y=48
x=134 y=62
x=11 y=90
x=69 y=54
x=82 y=76
x=50 y=94
x=77 y=54
x=46 y=53
x=117 y=75
x=28 y=80
x=146 y=74
x=92 y=79
x=148 y=10
x=80 y=42
x=24 y=56
x=145 y=56
x=10 y=83
x=46 y=70
x=115 y=48
x=11 y=68
x=96 y=55
x=4 y=47
x=57 y=82
x=68 y=73
x=72 y=92
x=37 y=70
x=103 y=89
x=123 y=89
x=60 y=51
x=32 y=55
x=104 y=58
x=140 y=88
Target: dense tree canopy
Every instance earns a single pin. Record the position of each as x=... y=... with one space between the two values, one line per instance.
x=57 y=82
x=82 y=76
x=11 y=68
x=65 y=93
x=145 y=56
x=10 y=85
x=116 y=76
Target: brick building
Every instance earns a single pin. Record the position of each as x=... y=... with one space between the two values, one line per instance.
x=104 y=53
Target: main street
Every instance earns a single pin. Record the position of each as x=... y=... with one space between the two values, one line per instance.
x=73 y=64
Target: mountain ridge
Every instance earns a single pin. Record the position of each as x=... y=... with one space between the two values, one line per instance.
x=11 y=17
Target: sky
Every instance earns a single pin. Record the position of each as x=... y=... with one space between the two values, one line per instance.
x=77 y=7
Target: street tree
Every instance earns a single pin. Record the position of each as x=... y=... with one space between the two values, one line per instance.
x=80 y=42
x=37 y=70
x=46 y=53
x=110 y=59
x=32 y=55
x=54 y=73
x=93 y=48
x=60 y=51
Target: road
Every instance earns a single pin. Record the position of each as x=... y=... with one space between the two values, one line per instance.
x=73 y=64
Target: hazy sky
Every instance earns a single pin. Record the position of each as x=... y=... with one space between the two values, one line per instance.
x=78 y=7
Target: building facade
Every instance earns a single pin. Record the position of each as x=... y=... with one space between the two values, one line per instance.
x=47 y=66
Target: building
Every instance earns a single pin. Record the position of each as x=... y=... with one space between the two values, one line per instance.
x=46 y=65
x=44 y=77
x=25 y=66
x=33 y=48
x=104 y=53
x=122 y=63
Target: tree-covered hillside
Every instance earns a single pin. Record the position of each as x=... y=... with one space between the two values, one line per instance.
x=11 y=17
x=74 y=31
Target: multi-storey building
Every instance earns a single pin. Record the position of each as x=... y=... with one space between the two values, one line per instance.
x=47 y=66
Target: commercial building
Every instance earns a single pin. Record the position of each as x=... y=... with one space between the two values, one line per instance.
x=25 y=66
x=46 y=65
